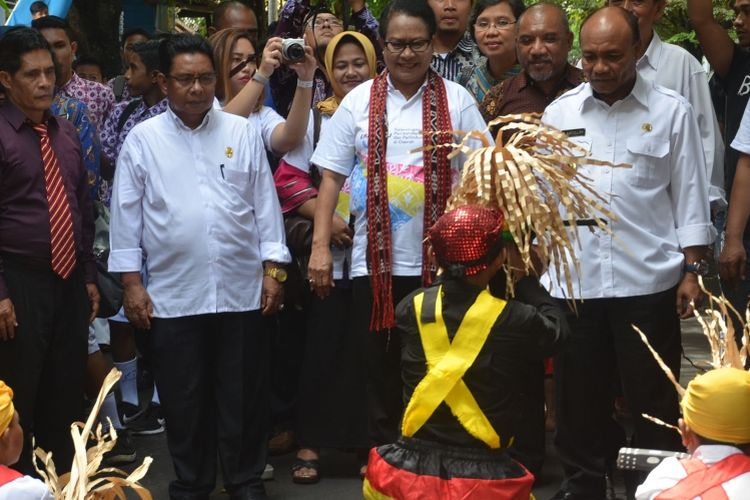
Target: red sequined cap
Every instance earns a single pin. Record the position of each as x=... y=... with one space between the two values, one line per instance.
x=464 y=237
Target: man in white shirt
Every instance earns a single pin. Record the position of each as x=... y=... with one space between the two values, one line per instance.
x=194 y=194
x=636 y=275
x=675 y=68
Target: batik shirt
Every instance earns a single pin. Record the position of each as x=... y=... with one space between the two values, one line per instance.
x=112 y=139
x=77 y=113
x=451 y=65
x=478 y=80
x=97 y=97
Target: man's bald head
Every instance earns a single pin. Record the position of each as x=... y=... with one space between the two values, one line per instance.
x=609 y=51
x=607 y=12
x=234 y=15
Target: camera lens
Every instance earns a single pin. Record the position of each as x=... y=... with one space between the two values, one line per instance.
x=295 y=52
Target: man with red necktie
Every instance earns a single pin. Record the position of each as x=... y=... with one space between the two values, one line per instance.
x=48 y=292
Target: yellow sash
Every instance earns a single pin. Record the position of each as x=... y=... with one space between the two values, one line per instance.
x=446 y=364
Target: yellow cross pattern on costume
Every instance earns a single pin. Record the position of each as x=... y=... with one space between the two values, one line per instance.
x=447 y=363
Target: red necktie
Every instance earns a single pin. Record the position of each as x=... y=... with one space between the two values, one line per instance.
x=60 y=219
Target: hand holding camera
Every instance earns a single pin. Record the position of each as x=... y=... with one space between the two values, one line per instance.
x=292 y=52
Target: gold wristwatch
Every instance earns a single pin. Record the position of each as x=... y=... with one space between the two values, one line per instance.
x=277 y=273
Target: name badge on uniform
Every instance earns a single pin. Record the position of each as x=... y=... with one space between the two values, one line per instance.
x=575 y=132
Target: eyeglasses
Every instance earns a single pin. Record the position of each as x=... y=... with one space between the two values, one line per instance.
x=500 y=24
x=397 y=46
x=204 y=80
x=321 y=22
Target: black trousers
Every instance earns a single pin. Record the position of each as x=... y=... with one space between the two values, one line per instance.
x=212 y=374
x=602 y=341
x=385 y=394
x=45 y=363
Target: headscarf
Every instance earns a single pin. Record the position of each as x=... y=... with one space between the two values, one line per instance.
x=716 y=405
x=329 y=106
x=7 y=410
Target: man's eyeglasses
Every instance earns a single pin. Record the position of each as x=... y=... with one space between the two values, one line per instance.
x=397 y=46
x=321 y=22
x=205 y=80
x=500 y=24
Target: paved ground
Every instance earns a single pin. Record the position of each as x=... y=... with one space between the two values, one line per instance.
x=339 y=470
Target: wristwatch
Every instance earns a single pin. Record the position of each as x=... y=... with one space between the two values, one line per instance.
x=277 y=273
x=699 y=267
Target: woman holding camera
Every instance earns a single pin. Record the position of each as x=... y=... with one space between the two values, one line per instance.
x=241 y=83
x=331 y=403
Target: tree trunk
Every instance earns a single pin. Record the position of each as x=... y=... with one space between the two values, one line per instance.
x=97 y=26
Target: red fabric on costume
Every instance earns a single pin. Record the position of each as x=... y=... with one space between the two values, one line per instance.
x=399 y=484
x=705 y=481
x=549 y=366
x=8 y=475
x=293 y=187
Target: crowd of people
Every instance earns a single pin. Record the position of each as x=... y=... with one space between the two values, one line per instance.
x=273 y=209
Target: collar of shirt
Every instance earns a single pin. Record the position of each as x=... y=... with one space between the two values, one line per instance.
x=17 y=118
x=712 y=453
x=74 y=82
x=181 y=125
x=652 y=56
x=466 y=45
x=639 y=93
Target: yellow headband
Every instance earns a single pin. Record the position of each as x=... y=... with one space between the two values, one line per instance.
x=717 y=404
x=6 y=406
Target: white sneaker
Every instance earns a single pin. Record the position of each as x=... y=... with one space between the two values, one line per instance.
x=267 y=473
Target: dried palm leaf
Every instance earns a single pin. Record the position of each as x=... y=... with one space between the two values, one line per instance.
x=718 y=329
x=534 y=180
x=86 y=479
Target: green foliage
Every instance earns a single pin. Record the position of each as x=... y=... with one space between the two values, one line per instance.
x=5 y=7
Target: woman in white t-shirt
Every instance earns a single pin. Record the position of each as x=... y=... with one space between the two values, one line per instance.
x=331 y=401
x=241 y=84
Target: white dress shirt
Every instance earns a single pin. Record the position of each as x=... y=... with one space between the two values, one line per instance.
x=661 y=202
x=201 y=206
x=670 y=472
x=347 y=135
x=675 y=68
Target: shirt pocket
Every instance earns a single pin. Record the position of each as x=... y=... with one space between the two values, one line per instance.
x=237 y=177
x=584 y=143
x=649 y=159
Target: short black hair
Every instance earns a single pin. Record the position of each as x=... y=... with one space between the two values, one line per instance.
x=54 y=22
x=412 y=8
x=87 y=59
x=182 y=43
x=38 y=7
x=149 y=53
x=626 y=14
x=136 y=30
x=516 y=6
x=223 y=7
x=17 y=42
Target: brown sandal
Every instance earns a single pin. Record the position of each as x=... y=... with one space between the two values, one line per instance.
x=309 y=478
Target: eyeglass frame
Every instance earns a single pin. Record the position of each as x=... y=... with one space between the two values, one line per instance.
x=187 y=81
x=333 y=22
x=495 y=24
x=389 y=43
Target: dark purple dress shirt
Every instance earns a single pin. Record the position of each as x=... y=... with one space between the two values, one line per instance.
x=24 y=210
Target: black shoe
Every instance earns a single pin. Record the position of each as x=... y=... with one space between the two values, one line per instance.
x=129 y=412
x=148 y=423
x=123 y=452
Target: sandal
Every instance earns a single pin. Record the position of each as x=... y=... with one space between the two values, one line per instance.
x=307 y=478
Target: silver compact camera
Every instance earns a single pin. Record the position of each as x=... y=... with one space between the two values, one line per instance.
x=293 y=49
